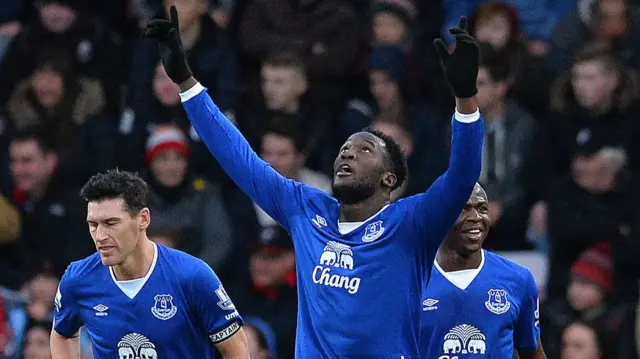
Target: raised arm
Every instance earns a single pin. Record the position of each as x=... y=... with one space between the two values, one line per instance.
x=438 y=208
x=278 y=196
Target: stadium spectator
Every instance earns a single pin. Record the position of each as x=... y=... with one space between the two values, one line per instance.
x=613 y=21
x=539 y=18
x=323 y=32
x=594 y=204
x=393 y=101
x=36 y=343
x=497 y=24
x=271 y=293
x=63 y=25
x=183 y=202
x=53 y=232
x=66 y=106
x=582 y=341
x=285 y=96
x=509 y=136
x=597 y=97
x=262 y=340
x=211 y=54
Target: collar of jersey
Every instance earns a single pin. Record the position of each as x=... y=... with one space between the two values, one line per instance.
x=146 y=276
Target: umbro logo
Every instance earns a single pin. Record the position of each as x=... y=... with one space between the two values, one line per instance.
x=429 y=304
x=101 y=310
x=319 y=221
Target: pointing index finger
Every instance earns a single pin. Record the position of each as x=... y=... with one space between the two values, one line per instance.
x=174 y=15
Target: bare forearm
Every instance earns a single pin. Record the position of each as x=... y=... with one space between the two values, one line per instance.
x=235 y=347
x=466 y=106
x=65 y=348
x=187 y=84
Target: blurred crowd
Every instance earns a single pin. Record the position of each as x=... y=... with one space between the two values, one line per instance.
x=559 y=86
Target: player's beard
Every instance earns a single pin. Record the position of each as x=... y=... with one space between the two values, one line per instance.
x=350 y=193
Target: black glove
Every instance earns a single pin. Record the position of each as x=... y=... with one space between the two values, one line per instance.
x=172 y=54
x=461 y=66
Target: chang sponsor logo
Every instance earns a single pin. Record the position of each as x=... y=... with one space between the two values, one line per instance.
x=336 y=255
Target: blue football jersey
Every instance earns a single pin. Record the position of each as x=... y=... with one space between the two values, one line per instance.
x=179 y=312
x=495 y=314
x=358 y=293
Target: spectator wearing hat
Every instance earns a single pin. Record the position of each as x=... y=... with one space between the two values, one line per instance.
x=587 y=298
x=138 y=122
x=271 y=293
x=184 y=203
x=393 y=101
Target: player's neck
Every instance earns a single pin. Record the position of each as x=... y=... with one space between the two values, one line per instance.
x=361 y=211
x=139 y=262
x=450 y=260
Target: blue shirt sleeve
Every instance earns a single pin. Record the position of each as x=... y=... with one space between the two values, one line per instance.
x=436 y=210
x=66 y=317
x=278 y=196
x=527 y=329
x=214 y=309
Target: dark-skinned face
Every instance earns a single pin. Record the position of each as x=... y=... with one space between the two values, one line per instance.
x=472 y=226
x=361 y=168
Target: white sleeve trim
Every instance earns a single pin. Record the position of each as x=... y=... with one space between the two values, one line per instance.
x=467 y=118
x=192 y=92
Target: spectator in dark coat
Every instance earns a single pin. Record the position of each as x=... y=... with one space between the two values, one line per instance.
x=271 y=292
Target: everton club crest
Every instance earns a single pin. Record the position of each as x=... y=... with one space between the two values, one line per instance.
x=163 y=308
x=497 y=302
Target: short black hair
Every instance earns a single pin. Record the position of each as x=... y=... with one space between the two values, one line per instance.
x=36 y=133
x=397 y=159
x=117 y=184
x=285 y=127
x=287 y=59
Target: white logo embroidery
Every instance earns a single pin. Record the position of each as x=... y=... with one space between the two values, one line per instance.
x=57 y=301
x=536 y=314
x=497 y=302
x=225 y=302
x=319 y=221
x=464 y=339
x=136 y=346
x=373 y=231
x=163 y=308
x=429 y=304
x=101 y=310
x=336 y=255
